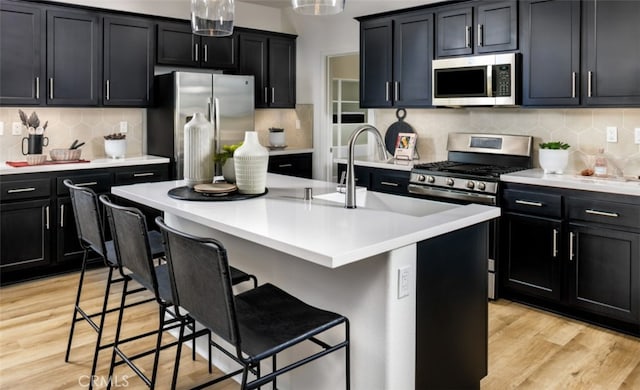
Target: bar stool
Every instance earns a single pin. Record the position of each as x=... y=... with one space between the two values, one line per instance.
x=90 y=228
x=259 y=323
x=135 y=263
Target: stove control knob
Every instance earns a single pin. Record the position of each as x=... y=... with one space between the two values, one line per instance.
x=470 y=184
x=482 y=186
x=431 y=179
x=421 y=178
x=450 y=182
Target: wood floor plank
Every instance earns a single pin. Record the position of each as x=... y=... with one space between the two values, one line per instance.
x=528 y=348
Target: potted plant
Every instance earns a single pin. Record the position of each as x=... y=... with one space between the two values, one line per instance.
x=554 y=156
x=225 y=159
x=115 y=145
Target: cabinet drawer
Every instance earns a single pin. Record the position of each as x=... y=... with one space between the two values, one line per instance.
x=529 y=202
x=293 y=165
x=23 y=189
x=99 y=182
x=591 y=210
x=142 y=174
x=390 y=182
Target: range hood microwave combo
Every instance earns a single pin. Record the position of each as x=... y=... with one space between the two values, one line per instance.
x=490 y=80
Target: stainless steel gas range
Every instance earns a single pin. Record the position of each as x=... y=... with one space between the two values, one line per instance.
x=472 y=175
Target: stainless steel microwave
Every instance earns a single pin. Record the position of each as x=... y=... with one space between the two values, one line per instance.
x=490 y=80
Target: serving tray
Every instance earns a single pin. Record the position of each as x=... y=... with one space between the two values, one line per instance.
x=186 y=193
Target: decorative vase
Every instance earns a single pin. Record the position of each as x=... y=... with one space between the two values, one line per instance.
x=554 y=160
x=251 y=160
x=115 y=148
x=229 y=170
x=198 y=150
x=276 y=137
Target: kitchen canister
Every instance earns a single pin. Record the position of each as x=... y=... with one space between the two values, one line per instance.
x=198 y=150
x=251 y=160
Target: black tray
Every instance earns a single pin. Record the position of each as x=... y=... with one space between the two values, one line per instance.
x=186 y=193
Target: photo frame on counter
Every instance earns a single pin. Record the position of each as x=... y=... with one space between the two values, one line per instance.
x=405 y=146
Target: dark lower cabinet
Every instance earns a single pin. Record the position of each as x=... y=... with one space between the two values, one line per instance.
x=25 y=239
x=68 y=245
x=300 y=165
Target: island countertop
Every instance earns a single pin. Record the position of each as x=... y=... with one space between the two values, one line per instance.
x=318 y=230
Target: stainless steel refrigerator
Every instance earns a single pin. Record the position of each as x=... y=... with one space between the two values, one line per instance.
x=226 y=100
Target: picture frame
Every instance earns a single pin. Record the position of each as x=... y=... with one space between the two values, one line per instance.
x=405 y=146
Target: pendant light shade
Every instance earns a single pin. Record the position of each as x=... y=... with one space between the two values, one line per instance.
x=212 y=18
x=318 y=7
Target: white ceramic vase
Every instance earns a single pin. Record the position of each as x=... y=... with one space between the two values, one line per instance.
x=554 y=160
x=229 y=171
x=115 y=148
x=251 y=160
x=198 y=150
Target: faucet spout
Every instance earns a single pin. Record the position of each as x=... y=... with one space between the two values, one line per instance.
x=350 y=198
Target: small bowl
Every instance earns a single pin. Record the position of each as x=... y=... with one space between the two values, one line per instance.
x=65 y=154
x=36 y=159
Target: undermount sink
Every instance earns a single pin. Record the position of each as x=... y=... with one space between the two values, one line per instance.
x=392 y=203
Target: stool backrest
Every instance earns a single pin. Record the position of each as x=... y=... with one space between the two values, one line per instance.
x=86 y=211
x=199 y=271
x=131 y=241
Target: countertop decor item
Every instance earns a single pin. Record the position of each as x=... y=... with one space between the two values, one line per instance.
x=35 y=140
x=251 y=160
x=115 y=145
x=36 y=159
x=198 y=150
x=226 y=162
x=391 y=136
x=276 y=137
x=554 y=156
x=65 y=154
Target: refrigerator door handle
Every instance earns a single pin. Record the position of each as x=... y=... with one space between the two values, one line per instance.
x=209 y=110
x=216 y=122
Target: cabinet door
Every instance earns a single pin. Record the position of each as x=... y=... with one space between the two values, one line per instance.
x=25 y=234
x=220 y=52
x=67 y=241
x=253 y=61
x=454 y=32
x=176 y=45
x=282 y=73
x=128 y=61
x=73 y=67
x=605 y=271
x=496 y=26
x=611 y=52
x=551 y=52
x=376 y=56
x=22 y=57
x=532 y=255
x=413 y=53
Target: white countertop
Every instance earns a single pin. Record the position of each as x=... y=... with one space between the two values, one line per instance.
x=280 y=152
x=97 y=163
x=574 y=181
x=398 y=165
x=319 y=231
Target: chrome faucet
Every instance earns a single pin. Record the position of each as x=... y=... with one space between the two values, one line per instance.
x=350 y=198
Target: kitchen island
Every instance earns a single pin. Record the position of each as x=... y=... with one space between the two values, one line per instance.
x=410 y=275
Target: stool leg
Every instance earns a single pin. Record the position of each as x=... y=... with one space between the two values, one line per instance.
x=117 y=335
x=77 y=305
x=105 y=304
x=347 y=355
x=176 y=364
x=161 y=310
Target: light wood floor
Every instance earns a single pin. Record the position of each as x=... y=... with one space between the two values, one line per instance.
x=528 y=349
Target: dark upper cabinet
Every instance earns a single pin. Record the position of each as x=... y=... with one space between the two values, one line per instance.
x=22 y=54
x=128 y=61
x=272 y=61
x=176 y=45
x=73 y=58
x=550 y=36
x=395 y=63
x=481 y=27
x=611 y=53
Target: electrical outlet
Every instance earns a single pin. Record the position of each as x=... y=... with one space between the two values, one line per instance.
x=297 y=124
x=612 y=134
x=1 y=128
x=16 y=128
x=403 y=282
x=636 y=136
x=124 y=126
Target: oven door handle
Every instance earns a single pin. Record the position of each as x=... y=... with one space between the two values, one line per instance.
x=448 y=194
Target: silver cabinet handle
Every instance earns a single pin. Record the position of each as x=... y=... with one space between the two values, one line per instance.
x=589 y=77
x=108 y=95
x=206 y=53
x=602 y=213
x=46 y=213
x=480 y=31
x=573 y=84
x=529 y=203
x=467 y=36
x=16 y=190
x=266 y=95
x=396 y=91
x=273 y=94
x=143 y=174
x=555 y=242
x=572 y=236
x=51 y=88
x=61 y=215
x=196 y=50
x=87 y=184
x=388 y=183
x=285 y=165
x=386 y=91
x=37 y=87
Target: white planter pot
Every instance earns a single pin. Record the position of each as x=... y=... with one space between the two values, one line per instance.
x=554 y=160
x=251 y=160
x=115 y=148
x=229 y=171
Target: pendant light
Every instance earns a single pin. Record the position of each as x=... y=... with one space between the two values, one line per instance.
x=212 y=18
x=318 y=7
